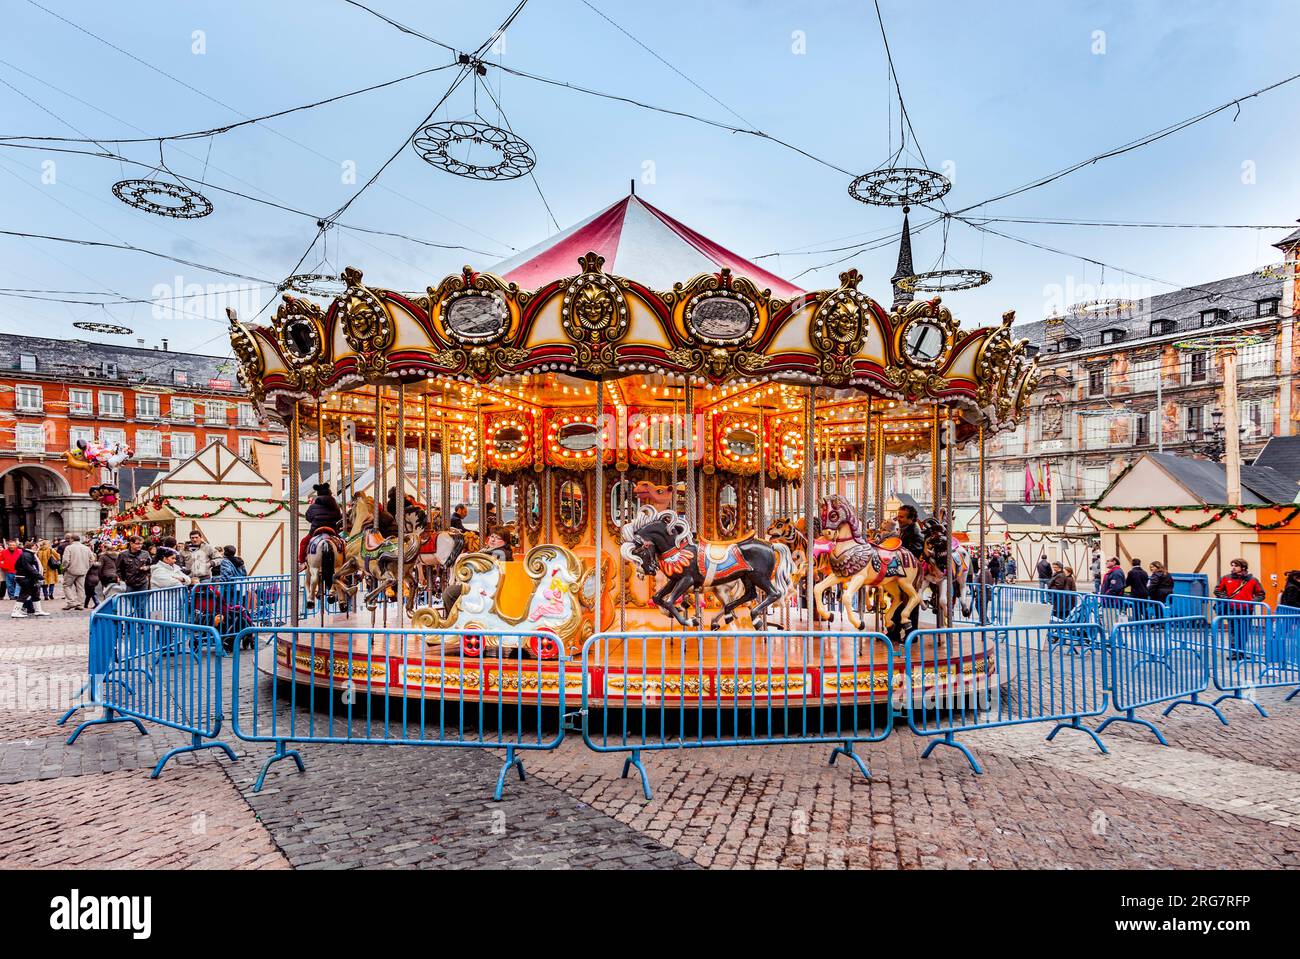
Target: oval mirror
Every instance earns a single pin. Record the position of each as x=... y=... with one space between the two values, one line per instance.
x=742 y=443
x=302 y=339
x=509 y=440
x=621 y=505
x=727 y=514
x=572 y=507
x=577 y=437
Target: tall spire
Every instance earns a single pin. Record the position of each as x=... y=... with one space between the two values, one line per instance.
x=905 y=268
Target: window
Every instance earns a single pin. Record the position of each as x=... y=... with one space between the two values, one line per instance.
x=1096 y=432
x=1142 y=375
x=360 y=456
x=1111 y=336
x=1160 y=327
x=111 y=438
x=1200 y=367
x=1266 y=307
x=1195 y=420
x=1013 y=484
x=182 y=446
x=86 y=433
x=146 y=406
x=284 y=455
x=30 y=438
x=110 y=404
x=1070 y=343
x=1095 y=479
x=182 y=409
x=148 y=444
x=108 y=371
x=412 y=461
x=215 y=412
x=1015 y=440
x=180 y=378
x=29 y=399
x=27 y=362
x=1255 y=360
x=1256 y=419
x=1097 y=382
x=246 y=448
x=1213 y=317
x=247 y=417
x=1142 y=422
x=81 y=403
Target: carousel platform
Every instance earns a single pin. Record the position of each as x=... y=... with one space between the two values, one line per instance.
x=653 y=666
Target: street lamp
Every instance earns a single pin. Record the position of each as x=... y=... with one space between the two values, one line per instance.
x=1212 y=443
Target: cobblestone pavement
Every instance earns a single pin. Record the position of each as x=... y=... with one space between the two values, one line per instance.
x=1215 y=798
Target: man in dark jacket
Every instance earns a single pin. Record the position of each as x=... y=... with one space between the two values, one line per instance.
x=458 y=517
x=133 y=566
x=1137 y=581
x=1113 y=583
x=909 y=533
x=1044 y=571
x=27 y=568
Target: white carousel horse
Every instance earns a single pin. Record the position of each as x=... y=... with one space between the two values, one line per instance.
x=856 y=563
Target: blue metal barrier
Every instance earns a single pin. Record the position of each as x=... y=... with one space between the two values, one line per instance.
x=377 y=687
x=688 y=690
x=1017 y=675
x=160 y=672
x=1208 y=607
x=1157 y=661
x=233 y=605
x=1254 y=652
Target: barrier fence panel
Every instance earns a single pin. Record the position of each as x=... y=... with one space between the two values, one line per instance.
x=656 y=690
x=1254 y=652
x=167 y=673
x=233 y=605
x=1158 y=661
x=400 y=687
x=963 y=679
x=1208 y=607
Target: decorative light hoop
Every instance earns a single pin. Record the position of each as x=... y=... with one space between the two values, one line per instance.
x=944 y=281
x=899 y=186
x=109 y=328
x=189 y=204
x=434 y=141
x=1221 y=341
x=1107 y=307
x=323 y=285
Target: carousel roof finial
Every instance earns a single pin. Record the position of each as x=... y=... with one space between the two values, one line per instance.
x=903 y=296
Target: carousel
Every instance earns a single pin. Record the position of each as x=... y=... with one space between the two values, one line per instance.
x=645 y=423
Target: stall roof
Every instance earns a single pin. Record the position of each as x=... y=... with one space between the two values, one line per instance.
x=1281 y=454
x=1207 y=480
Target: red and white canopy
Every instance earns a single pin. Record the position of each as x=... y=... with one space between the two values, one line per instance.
x=639 y=242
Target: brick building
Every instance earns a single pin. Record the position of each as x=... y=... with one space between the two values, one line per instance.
x=1115 y=386
x=165 y=405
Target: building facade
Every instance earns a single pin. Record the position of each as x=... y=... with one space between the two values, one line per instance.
x=1127 y=380
x=165 y=405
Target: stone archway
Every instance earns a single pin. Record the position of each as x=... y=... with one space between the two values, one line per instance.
x=31 y=493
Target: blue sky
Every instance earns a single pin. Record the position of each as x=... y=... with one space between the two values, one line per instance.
x=1003 y=93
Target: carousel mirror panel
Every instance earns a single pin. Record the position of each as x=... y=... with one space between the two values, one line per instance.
x=572 y=506
x=532 y=506
x=727 y=512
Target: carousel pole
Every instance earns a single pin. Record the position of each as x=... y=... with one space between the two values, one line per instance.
x=444 y=468
x=936 y=491
x=381 y=470
x=864 y=479
x=979 y=579
x=810 y=497
x=320 y=478
x=950 y=572
x=672 y=500
x=426 y=451
x=761 y=516
x=688 y=442
x=295 y=597
x=482 y=478
x=400 y=468
x=598 y=514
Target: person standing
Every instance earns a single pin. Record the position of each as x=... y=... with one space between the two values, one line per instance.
x=1009 y=569
x=49 y=558
x=92 y=584
x=1137 y=581
x=1096 y=572
x=166 y=573
x=1044 y=571
x=231 y=566
x=1114 y=582
x=8 y=561
x=1240 y=588
x=133 y=570
x=28 y=572
x=198 y=557
x=1160 y=585
x=76 y=561
x=107 y=572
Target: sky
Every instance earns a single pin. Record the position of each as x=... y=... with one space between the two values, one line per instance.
x=997 y=95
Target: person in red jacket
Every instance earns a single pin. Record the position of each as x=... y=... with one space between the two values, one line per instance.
x=8 y=563
x=1241 y=586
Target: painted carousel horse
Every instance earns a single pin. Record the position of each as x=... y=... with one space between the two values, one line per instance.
x=439 y=550
x=791 y=534
x=325 y=554
x=661 y=542
x=553 y=619
x=938 y=547
x=856 y=563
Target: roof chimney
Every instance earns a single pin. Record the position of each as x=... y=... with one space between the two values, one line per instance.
x=164 y=344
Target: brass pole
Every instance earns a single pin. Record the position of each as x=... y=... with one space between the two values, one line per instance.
x=598 y=513
x=810 y=496
x=400 y=448
x=295 y=533
x=984 y=597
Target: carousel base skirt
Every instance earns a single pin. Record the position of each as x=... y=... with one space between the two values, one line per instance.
x=670 y=668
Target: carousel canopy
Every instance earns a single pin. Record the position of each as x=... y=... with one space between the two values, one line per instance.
x=531 y=338
x=640 y=241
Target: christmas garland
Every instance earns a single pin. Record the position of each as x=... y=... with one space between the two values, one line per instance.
x=220 y=503
x=1221 y=511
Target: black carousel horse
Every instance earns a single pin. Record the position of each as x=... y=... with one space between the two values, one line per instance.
x=661 y=542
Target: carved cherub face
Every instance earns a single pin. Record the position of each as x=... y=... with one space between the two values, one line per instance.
x=843 y=322
x=593 y=306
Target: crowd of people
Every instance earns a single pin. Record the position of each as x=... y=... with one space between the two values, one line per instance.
x=89 y=572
